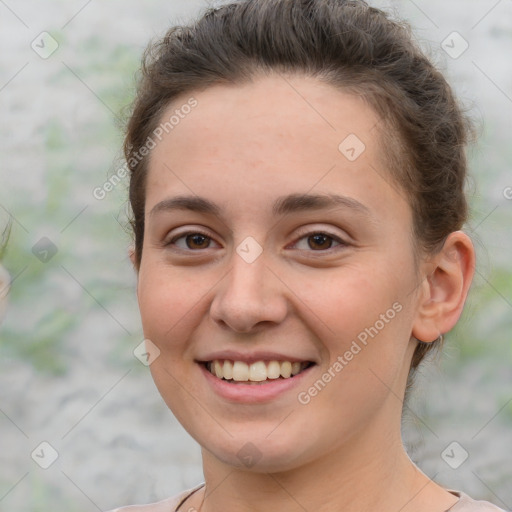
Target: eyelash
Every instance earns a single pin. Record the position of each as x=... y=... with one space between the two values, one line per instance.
x=306 y=235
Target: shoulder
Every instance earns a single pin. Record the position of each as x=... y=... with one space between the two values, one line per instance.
x=468 y=504
x=167 y=505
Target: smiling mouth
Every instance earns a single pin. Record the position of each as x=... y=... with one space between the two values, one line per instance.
x=257 y=372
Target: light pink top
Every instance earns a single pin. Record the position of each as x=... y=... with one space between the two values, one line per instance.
x=465 y=504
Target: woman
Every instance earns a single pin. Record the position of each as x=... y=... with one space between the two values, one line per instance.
x=297 y=173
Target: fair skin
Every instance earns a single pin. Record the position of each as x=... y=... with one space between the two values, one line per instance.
x=306 y=298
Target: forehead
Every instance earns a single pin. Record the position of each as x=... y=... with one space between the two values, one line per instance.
x=275 y=134
x=274 y=111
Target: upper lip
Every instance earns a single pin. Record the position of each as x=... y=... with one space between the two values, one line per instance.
x=250 y=357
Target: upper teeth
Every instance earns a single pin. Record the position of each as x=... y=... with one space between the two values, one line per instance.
x=256 y=372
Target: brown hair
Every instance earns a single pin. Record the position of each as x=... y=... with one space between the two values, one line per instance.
x=345 y=43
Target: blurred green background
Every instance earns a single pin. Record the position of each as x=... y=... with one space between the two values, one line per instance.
x=68 y=374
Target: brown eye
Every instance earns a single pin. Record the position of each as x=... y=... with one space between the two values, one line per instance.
x=197 y=241
x=191 y=241
x=319 y=241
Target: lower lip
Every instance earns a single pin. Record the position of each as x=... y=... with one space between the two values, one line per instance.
x=253 y=393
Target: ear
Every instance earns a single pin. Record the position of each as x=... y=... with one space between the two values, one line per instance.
x=133 y=257
x=444 y=290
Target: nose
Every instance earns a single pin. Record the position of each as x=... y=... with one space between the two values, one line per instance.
x=249 y=297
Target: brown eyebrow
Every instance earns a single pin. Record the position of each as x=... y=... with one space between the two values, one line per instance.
x=282 y=206
x=303 y=202
x=192 y=203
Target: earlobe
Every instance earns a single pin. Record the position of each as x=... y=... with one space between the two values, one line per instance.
x=445 y=288
x=133 y=257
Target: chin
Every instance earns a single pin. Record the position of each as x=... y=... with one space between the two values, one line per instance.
x=257 y=454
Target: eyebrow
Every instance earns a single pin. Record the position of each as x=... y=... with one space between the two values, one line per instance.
x=284 y=205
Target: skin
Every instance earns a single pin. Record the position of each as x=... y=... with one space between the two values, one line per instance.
x=242 y=147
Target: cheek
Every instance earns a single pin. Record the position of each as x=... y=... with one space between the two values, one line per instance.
x=168 y=302
x=365 y=331
x=365 y=319
x=354 y=298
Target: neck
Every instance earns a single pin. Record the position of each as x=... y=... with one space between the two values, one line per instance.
x=368 y=472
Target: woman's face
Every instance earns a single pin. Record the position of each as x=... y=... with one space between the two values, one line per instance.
x=273 y=234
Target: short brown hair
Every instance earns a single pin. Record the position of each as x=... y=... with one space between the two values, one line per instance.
x=346 y=43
